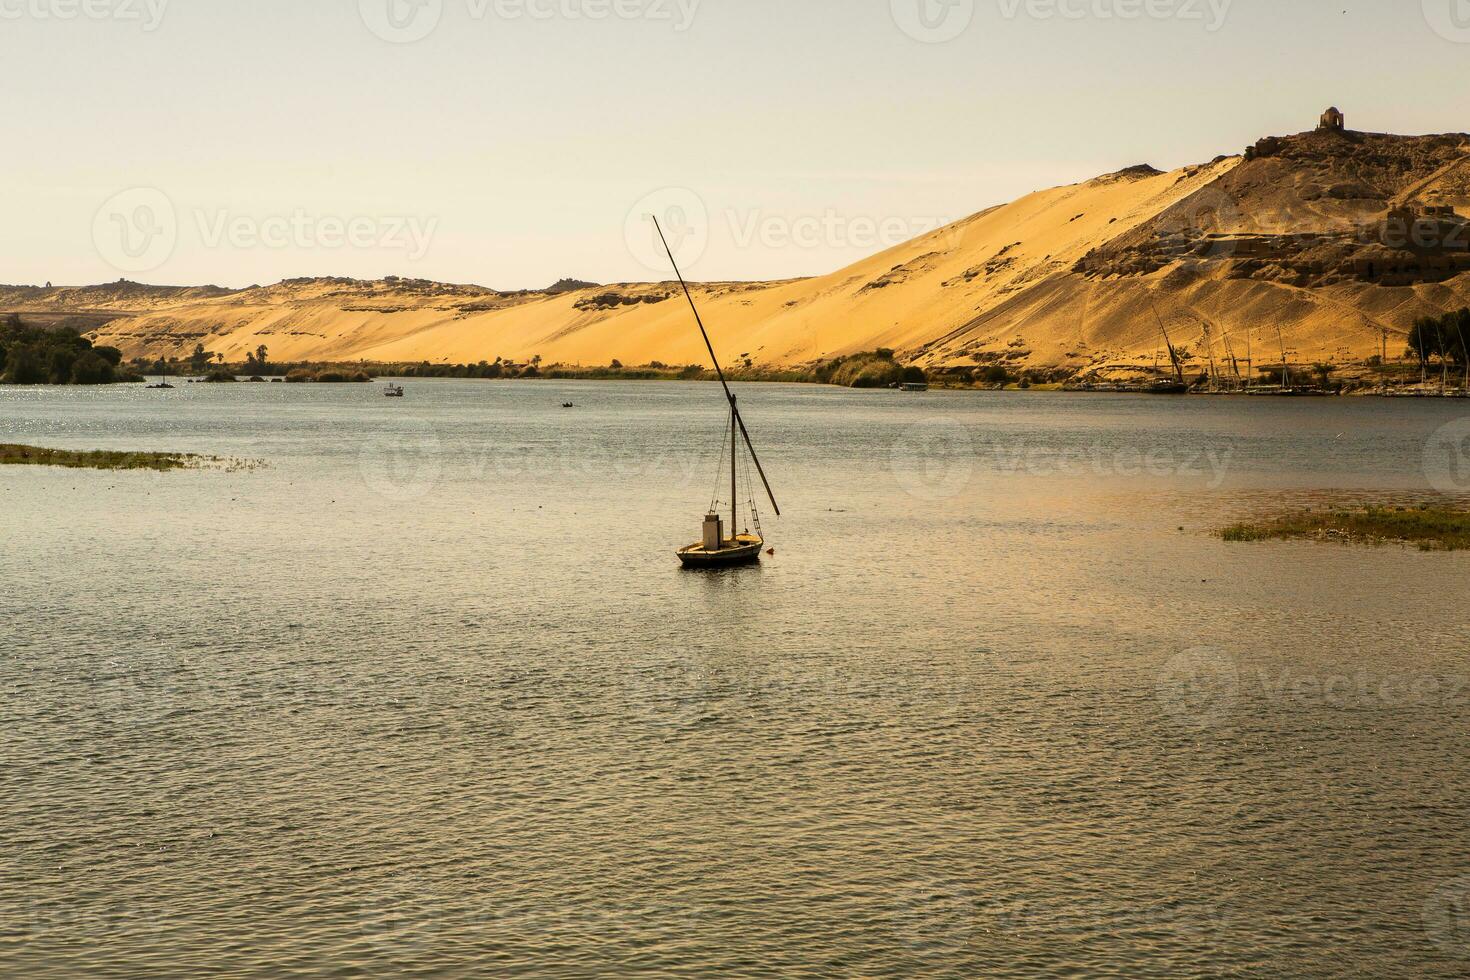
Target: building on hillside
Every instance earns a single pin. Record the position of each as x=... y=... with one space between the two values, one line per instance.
x=1332 y=121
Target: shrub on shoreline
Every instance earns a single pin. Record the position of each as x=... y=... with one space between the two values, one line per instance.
x=876 y=369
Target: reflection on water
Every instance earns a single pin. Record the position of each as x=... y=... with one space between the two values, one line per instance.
x=430 y=694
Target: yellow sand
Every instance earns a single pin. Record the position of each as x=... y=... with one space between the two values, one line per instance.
x=1000 y=281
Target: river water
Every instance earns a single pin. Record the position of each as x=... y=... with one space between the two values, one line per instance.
x=427 y=693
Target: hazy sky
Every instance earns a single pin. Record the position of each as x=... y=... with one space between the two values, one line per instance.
x=514 y=142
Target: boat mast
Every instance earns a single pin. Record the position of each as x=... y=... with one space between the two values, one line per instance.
x=1210 y=353
x=1423 y=357
x=734 y=488
x=1465 y=349
x=1285 y=368
x=1173 y=354
x=1230 y=355
x=1250 y=359
x=739 y=421
x=1444 y=360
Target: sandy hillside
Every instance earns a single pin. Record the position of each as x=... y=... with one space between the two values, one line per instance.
x=1338 y=239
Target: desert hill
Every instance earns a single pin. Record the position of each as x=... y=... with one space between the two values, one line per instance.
x=1339 y=239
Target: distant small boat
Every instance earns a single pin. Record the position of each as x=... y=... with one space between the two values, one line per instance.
x=393 y=391
x=161 y=386
x=567 y=405
x=914 y=386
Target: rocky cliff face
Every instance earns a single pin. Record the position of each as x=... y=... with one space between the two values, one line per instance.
x=1316 y=210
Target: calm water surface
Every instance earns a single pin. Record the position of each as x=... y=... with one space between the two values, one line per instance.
x=428 y=694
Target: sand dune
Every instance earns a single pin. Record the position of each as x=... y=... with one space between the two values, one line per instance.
x=1300 y=233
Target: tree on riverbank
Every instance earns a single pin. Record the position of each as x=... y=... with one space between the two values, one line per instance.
x=1446 y=338
x=199 y=360
x=31 y=356
x=257 y=363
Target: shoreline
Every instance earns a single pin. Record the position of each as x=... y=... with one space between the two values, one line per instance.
x=880 y=369
x=375 y=376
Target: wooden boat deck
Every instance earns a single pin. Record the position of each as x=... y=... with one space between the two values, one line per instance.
x=744 y=548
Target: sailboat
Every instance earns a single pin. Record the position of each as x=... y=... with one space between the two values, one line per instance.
x=717 y=548
x=1177 y=385
x=722 y=547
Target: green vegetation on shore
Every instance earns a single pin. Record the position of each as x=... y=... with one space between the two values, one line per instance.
x=257 y=366
x=876 y=369
x=327 y=376
x=1429 y=528
x=12 y=455
x=32 y=356
x=1445 y=338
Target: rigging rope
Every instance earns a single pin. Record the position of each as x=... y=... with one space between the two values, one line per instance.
x=755 y=515
x=714 y=506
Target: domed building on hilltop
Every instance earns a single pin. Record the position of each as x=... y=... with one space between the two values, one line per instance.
x=1332 y=121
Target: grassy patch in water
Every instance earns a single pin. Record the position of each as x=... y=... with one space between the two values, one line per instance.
x=12 y=455
x=1429 y=528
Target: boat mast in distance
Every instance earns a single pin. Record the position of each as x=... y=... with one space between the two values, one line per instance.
x=729 y=395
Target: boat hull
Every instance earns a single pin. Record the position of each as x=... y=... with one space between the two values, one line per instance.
x=744 y=550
